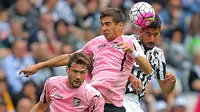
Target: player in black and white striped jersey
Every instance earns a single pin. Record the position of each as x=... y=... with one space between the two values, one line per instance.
x=135 y=89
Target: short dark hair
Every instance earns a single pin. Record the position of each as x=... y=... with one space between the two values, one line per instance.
x=156 y=23
x=115 y=13
x=79 y=58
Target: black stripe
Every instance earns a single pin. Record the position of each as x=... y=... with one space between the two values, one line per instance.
x=122 y=64
x=145 y=82
x=94 y=104
x=138 y=74
x=45 y=100
x=164 y=69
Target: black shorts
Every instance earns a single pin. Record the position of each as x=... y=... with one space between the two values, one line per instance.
x=112 y=108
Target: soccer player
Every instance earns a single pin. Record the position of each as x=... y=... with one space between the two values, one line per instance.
x=166 y=80
x=113 y=55
x=72 y=93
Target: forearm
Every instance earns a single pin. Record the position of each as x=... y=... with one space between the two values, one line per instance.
x=36 y=108
x=144 y=64
x=168 y=87
x=39 y=107
x=55 y=62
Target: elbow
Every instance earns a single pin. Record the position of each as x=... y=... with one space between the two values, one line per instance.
x=148 y=70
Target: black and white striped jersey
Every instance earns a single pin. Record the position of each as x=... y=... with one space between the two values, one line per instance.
x=157 y=61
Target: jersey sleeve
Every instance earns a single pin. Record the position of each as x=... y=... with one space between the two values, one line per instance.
x=87 y=48
x=161 y=69
x=97 y=104
x=45 y=96
x=137 y=47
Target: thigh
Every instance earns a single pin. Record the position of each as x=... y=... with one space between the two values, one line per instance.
x=112 y=108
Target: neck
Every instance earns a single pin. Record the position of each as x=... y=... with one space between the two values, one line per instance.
x=68 y=84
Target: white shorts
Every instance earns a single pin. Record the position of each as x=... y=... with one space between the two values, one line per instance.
x=131 y=103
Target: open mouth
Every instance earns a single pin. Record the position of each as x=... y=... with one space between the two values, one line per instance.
x=150 y=45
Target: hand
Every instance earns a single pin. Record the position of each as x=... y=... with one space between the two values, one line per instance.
x=30 y=70
x=136 y=83
x=126 y=47
x=170 y=77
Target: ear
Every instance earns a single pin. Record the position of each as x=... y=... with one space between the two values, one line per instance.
x=121 y=25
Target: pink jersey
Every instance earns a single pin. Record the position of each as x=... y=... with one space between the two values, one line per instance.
x=64 y=99
x=111 y=65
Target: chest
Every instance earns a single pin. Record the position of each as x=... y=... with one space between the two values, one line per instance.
x=72 y=101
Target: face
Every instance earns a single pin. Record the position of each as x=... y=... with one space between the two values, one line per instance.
x=22 y=6
x=30 y=89
x=149 y=36
x=20 y=49
x=46 y=21
x=62 y=29
x=16 y=28
x=177 y=37
x=3 y=87
x=76 y=74
x=110 y=29
x=3 y=108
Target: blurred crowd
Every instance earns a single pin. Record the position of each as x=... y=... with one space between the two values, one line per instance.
x=32 y=31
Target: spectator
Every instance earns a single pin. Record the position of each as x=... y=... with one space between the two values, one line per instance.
x=173 y=16
x=14 y=62
x=177 y=55
x=46 y=36
x=29 y=91
x=24 y=105
x=3 y=106
x=4 y=25
x=16 y=33
x=4 y=94
x=25 y=13
x=66 y=36
x=194 y=76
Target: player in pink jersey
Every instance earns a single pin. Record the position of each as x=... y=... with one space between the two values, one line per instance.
x=72 y=93
x=113 y=55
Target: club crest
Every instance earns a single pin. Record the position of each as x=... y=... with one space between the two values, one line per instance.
x=76 y=102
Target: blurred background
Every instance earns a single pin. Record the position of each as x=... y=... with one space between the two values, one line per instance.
x=37 y=30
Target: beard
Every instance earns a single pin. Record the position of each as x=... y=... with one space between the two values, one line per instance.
x=148 y=46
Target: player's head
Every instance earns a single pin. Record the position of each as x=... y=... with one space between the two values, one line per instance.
x=149 y=35
x=77 y=69
x=111 y=23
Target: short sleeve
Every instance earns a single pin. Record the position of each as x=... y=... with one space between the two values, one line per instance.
x=97 y=104
x=45 y=96
x=161 y=69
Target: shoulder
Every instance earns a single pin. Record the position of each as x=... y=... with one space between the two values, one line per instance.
x=56 y=79
x=158 y=50
x=98 y=39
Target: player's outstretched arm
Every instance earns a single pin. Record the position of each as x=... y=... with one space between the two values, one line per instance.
x=168 y=84
x=54 y=62
x=144 y=64
x=39 y=107
x=141 y=60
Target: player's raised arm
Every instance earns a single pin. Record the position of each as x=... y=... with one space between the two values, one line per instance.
x=54 y=62
x=141 y=60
